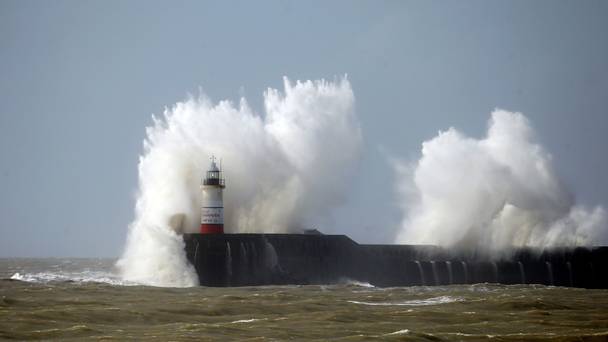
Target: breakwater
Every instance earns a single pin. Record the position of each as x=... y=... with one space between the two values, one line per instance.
x=274 y=259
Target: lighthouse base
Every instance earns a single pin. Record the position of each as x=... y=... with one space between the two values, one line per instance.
x=276 y=259
x=212 y=228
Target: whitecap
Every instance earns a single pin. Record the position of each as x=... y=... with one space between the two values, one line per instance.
x=246 y=320
x=358 y=283
x=414 y=302
x=399 y=332
x=78 y=277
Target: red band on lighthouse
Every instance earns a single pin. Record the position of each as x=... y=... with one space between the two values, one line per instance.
x=212 y=228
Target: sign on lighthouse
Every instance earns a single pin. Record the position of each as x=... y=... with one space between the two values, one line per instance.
x=212 y=206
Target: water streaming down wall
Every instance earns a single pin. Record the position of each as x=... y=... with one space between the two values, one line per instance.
x=450 y=273
x=321 y=259
x=421 y=273
x=228 y=260
x=465 y=272
x=522 y=273
x=435 y=274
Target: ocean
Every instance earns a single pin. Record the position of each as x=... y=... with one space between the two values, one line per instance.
x=84 y=299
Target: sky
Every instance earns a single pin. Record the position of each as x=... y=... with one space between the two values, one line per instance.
x=79 y=81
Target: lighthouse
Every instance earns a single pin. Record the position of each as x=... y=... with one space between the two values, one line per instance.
x=212 y=206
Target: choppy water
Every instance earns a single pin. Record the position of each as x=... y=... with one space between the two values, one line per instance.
x=78 y=299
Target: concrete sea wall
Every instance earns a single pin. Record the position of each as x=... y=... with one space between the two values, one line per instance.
x=264 y=259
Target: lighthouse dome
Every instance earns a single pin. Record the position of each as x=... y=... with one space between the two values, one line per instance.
x=214 y=175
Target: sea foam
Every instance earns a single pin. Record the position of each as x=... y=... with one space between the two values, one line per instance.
x=285 y=170
x=492 y=194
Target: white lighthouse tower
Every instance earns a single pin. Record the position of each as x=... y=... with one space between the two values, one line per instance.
x=212 y=206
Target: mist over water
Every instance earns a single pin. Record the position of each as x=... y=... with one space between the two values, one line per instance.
x=492 y=194
x=283 y=170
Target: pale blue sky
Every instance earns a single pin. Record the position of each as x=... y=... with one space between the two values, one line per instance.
x=80 y=79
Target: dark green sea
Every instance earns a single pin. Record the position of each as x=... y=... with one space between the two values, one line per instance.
x=82 y=299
